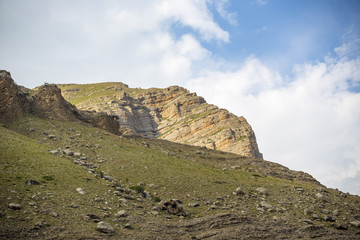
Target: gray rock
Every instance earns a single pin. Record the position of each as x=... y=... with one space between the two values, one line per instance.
x=14 y=206
x=104 y=227
x=81 y=191
x=239 y=191
x=320 y=196
x=32 y=182
x=262 y=191
x=83 y=158
x=121 y=213
x=355 y=223
x=108 y=178
x=55 y=152
x=128 y=226
x=74 y=205
x=51 y=136
x=77 y=154
x=68 y=152
x=193 y=204
x=266 y=205
x=328 y=218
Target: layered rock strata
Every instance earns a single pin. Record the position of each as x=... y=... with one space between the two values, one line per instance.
x=172 y=113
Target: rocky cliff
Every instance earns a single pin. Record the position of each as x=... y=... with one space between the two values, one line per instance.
x=172 y=113
x=45 y=102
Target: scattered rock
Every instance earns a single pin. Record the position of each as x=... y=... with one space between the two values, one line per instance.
x=68 y=152
x=74 y=205
x=77 y=154
x=55 y=152
x=108 y=178
x=32 y=182
x=121 y=213
x=51 y=136
x=128 y=226
x=104 y=227
x=14 y=206
x=174 y=206
x=35 y=197
x=355 y=223
x=262 y=191
x=193 y=204
x=81 y=191
x=328 y=218
x=239 y=191
x=266 y=205
x=320 y=196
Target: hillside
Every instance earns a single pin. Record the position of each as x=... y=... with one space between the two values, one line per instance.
x=172 y=114
x=69 y=177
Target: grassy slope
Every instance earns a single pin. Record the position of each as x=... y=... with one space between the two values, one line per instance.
x=179 y=171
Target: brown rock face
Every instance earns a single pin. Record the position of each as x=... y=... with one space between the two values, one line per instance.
x=173 y=114
x=49 y=103
x=13 y=102
x=46 y=103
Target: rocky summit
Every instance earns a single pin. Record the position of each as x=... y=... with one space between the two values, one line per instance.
x=172 y=114
x=109 y=171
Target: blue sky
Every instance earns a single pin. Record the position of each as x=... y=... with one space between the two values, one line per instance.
x=292 y=68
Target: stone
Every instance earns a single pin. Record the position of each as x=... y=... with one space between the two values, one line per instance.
x=262 y=191
x=68 y=152
x=32 y=182
x=239 y=191
x=355 y=223
x=83 y=158
x=76 y=154
x=328 y=218
x=55 y=152
x=104 y=227
x=51 y=136
x=14 y=206
x=74 y=205
x=193 y=204
x=128 y=226
x=173 y=206
x=108 y=178
x=81 y=191
x=266 y=205
x=320 y=196
x=35 y=197
x=121 y=213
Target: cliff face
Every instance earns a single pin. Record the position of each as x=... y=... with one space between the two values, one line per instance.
x=13 y=102
x=172 y=113
x=47 y=102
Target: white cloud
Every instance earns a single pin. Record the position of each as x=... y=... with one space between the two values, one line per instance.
x=261 y=2
x=229 y=16
x=128 y=41
x=310 y=123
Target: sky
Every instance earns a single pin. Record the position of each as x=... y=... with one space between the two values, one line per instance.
x=291 y=68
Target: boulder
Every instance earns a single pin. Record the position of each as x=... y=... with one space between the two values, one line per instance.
x=104 y=227
x=14 y=206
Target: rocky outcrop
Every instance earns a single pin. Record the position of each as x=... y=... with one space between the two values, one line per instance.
x=13 y=102
x=47 y=102
x=172 y=114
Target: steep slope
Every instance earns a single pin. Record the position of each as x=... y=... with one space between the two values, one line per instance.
x=173 y=114
x=224 y=196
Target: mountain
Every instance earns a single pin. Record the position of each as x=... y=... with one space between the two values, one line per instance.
x=65 y=176
x=172 y=114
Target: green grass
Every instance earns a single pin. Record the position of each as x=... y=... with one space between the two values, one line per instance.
x=183 y=175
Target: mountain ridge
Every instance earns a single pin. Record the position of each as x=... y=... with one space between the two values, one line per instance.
x=172 y=113
x=65 y=175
